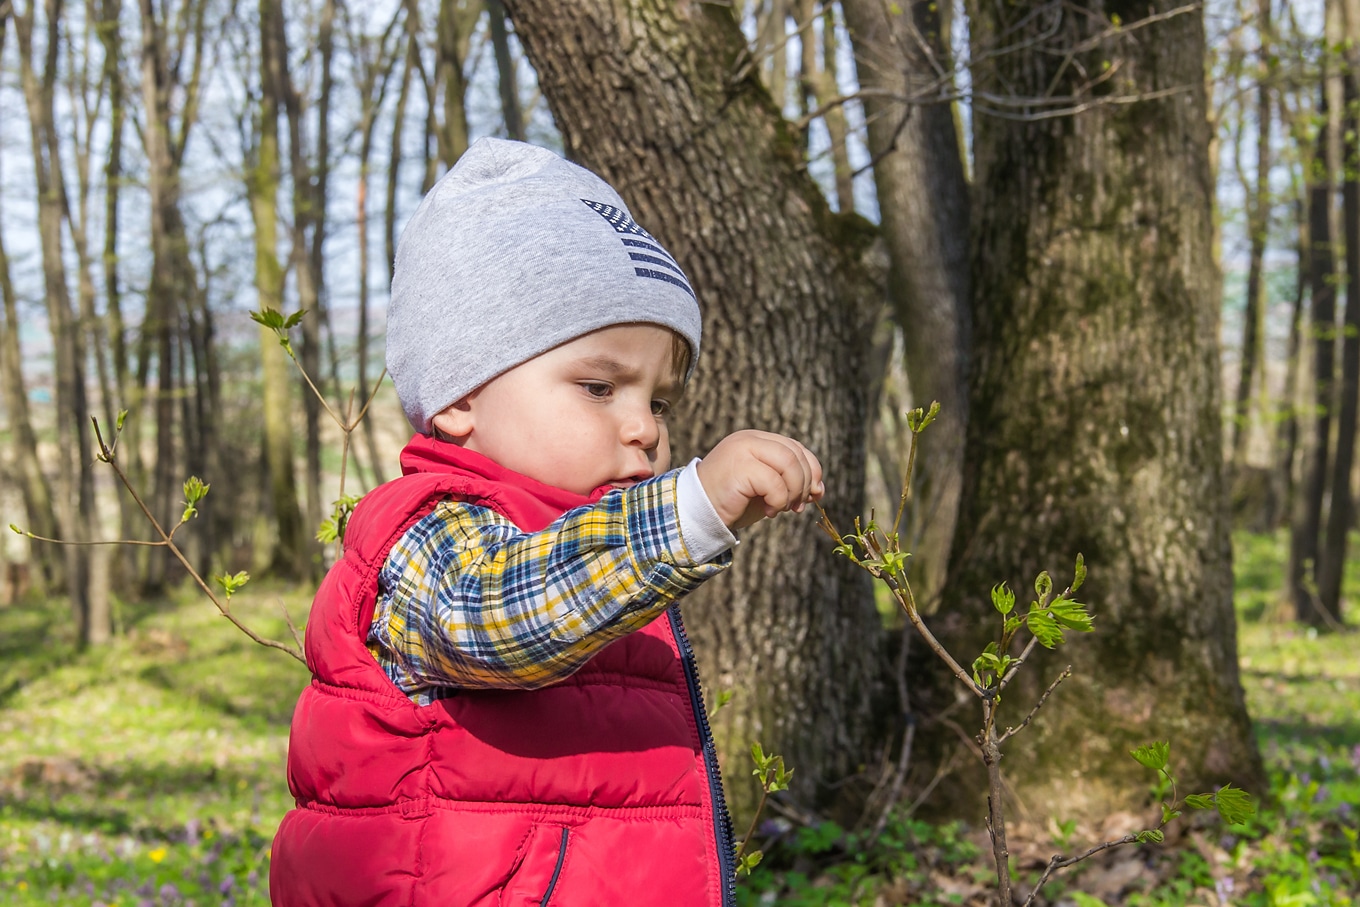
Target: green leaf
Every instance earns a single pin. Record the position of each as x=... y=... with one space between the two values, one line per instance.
x=1072 y=615
x=328 y=531
x=749 y=861
x=1079 y=576
x=270 y=318
x=1003 y=599
x=1013 y=624
x=930 y=415
x=893 y=562
x=1045 y=629
x=780 y=781
x=1234 y=804
x=1168 y=813
x=1200 y=801
x=722 y=699
x=1043 y=585
x=1153 y=756
x=231 y=584
x=195 y=489
x=1082 y=899
x=292 y=320
x=122 y=417
x=1152 y=835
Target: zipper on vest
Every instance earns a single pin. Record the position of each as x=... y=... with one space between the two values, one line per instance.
x=722 y=820
x=557 y=870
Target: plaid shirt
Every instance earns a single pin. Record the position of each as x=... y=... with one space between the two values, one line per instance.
x=468 y=600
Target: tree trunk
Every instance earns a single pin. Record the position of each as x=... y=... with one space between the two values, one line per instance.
x=1287 y=435
x=75 y=484
x=173 y=282
x=1094 y=423
x=33 y=484
x=1306 y=527
x=287 y=555
x=923 y=201
x=1331 y=566
x=309 y=217
x=819 y=94
x=1251 y=376
x=511 y=109
x=643 y=95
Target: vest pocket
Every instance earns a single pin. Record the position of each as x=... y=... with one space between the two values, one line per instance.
x=537 y=867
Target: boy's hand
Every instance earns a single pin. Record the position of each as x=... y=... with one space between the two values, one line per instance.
x=751 y=475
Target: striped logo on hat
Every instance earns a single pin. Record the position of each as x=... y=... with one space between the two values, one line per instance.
x=643 y=249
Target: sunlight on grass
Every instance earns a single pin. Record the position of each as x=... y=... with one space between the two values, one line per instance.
x=151 y=770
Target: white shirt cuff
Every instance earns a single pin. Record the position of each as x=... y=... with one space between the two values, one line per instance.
x=704 y=533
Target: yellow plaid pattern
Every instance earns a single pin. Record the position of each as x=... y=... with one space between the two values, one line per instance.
x=468 y=600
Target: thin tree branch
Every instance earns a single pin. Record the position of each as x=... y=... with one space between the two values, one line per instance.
x=1012 y=731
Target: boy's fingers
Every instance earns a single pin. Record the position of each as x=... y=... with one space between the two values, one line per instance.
x=793 y=461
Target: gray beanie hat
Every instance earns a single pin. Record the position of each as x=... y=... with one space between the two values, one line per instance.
x=513 y=252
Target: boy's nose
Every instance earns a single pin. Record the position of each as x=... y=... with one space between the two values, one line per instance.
x=640 y=429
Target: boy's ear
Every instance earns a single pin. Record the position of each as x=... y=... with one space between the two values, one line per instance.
x=455 y=420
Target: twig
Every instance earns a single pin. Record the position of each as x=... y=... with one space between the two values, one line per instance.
x=106 y=454
x=1012 y=731
x=764 y=795
x=1015 y=665
x=1059 y=862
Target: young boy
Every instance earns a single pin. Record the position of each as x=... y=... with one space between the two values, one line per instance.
x=504 y=707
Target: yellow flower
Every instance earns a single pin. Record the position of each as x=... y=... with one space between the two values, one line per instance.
x=157 y=855
x=22 y=886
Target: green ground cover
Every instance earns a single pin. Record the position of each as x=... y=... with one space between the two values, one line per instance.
x=151 y=773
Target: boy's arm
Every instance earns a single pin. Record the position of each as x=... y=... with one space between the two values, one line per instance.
x=468 y=600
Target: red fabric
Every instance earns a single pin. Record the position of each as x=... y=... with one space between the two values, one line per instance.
x=595 y=787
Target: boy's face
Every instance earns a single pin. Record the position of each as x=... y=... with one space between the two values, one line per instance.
x=588 y=413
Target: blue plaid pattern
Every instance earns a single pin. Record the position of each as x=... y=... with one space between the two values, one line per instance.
x=468 y=600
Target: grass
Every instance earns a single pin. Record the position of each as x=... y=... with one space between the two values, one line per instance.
x=151 y=772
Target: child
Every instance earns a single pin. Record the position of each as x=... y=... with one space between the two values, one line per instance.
x=504 y=707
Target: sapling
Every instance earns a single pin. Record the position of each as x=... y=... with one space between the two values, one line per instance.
x=879 y=552
x=332 y=529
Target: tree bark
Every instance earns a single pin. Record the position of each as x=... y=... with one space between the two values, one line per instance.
x=173 y=281
x=36 y=489
x=643 y=95
x=1331 y=565
x=75 y=478
x=511 y=109
x=1251 y=376
x=1306 y=527
x=924 y=206
x=1094 y=423
x=33 y=483
x=287 y=555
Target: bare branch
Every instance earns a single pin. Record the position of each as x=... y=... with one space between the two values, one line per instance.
x=1058 y=862
x=1012 y=731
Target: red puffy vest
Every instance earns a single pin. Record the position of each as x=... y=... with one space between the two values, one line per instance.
x=600 y=790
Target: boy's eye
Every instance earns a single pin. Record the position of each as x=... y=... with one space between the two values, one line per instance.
x=596 y=388
x=661 y=407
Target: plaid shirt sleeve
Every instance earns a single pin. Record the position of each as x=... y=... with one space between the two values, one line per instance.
x=468 y=600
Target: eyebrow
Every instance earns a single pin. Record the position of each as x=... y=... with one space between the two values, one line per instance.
x=617 y=370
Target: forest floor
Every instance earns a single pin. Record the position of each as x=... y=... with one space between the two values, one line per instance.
x=150 y=772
